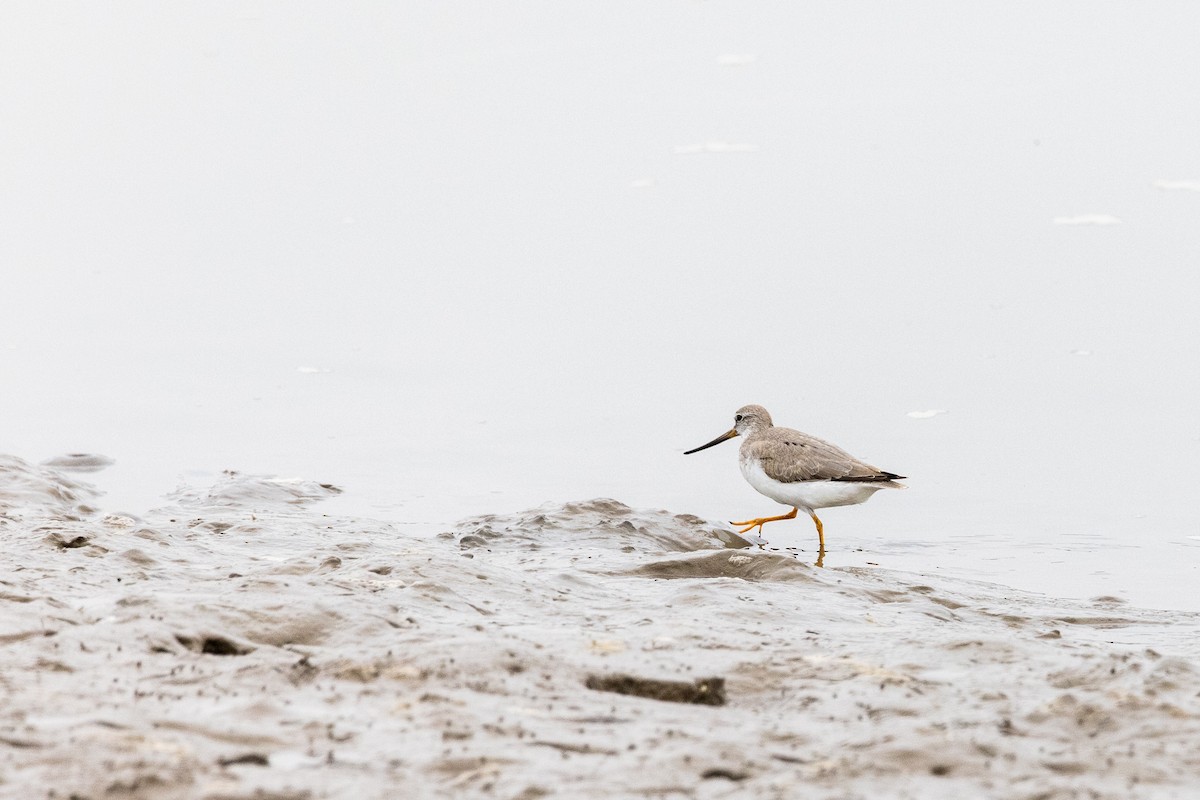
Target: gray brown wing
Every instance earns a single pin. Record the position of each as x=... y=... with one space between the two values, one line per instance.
x=789 y=456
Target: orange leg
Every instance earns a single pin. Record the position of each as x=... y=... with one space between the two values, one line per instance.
x=760 y=521
x=821 y=537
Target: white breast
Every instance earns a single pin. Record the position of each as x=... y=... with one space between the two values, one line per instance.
x=807 y=495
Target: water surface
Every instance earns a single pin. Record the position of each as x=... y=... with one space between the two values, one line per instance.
x=469 y=259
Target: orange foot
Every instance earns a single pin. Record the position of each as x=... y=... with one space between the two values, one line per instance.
x=760 y=521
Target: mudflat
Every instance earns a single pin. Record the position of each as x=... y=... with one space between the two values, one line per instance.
x=238 y=643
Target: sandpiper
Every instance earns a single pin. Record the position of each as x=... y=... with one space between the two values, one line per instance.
x=799 y=470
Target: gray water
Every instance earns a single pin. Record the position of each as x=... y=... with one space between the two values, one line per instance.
x=469 y=258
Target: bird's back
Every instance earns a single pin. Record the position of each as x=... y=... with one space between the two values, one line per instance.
x=788 y=456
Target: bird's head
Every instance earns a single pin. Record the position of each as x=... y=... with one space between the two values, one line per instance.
x=746 y=420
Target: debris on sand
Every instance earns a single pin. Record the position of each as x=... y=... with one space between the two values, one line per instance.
x=702 y=691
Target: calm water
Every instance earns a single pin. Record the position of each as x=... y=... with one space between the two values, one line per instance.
x=470 y=259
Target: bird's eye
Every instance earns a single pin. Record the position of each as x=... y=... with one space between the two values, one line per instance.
x=737 y=418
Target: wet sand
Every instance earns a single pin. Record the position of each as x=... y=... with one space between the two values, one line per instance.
x=238 y=643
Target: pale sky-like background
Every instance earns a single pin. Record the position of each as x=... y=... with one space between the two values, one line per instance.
x=471 y=257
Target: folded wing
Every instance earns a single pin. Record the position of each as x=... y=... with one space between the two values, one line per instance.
x=789 y=456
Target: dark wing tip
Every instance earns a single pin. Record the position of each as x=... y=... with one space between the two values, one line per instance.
x=877 y=478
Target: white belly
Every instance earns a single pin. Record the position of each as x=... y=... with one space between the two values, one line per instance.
x=807 y=495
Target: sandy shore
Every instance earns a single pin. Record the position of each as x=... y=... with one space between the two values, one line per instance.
x=237 y=643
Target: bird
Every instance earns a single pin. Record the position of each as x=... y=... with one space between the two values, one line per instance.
x=799 y=470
